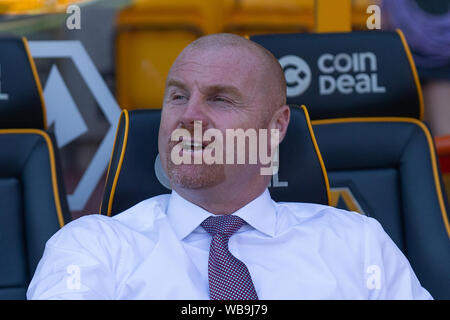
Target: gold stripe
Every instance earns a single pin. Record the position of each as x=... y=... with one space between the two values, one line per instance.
x=322 y=165
x=348 y=197
x=110 y=159
x=350 y=202
x=430 y=144
x=119 y=166
x=365 y=119
x=414 y=72
x=38 y=82
x=334 y=197
x=52 y=165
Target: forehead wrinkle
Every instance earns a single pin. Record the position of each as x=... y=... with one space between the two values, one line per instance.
x=234 y=91
x=180 y=67
x=173 y=82
x=215 y=87
x=180 y=63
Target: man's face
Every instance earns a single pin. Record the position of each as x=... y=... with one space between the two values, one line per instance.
x=222 y=89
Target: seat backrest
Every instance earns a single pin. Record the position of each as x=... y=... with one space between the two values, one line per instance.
x=366 y=104
x=357 y=74
x=21 y=100
x=386 y=168
x=32 y=197
x=135 y=172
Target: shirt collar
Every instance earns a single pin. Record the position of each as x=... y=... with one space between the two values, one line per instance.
x=185 y=217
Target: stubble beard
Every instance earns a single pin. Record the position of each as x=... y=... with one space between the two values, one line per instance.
x=194 y=176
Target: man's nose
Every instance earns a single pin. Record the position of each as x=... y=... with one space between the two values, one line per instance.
x=196 y=110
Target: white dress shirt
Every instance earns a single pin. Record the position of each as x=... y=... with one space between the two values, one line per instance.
x=158 y=250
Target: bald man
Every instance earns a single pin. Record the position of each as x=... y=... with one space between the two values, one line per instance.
x=219 y=235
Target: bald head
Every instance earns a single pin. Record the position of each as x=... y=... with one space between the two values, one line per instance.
x=272 y=75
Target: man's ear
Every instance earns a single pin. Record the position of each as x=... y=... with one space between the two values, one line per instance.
x=280 y=120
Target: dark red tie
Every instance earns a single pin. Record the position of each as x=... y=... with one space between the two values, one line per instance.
x=228 y=277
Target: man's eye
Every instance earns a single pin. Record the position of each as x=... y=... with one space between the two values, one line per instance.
x=178 y=97
x=221 y=99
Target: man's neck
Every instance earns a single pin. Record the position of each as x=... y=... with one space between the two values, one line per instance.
x=221 y=200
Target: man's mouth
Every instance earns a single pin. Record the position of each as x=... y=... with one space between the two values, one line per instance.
x=192 y=146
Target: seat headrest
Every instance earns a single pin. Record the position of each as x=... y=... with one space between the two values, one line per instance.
x=357 y=74
x=135 y=173
x=21 y=99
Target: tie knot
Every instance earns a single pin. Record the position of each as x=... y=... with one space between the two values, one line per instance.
x=224 y=224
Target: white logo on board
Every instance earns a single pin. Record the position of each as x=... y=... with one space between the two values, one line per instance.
x=297 y=73
x=64 y=114
x=344 y=73
x=356 y=72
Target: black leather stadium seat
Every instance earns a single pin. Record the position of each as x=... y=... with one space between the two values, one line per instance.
x=366 y=104
x=132 y=176
x=358 y=74
x=32 y=197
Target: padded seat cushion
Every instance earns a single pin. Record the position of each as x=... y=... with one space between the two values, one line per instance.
x=30 y=212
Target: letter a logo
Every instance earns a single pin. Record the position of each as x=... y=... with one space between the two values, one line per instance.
x=74 y=20
x=374 y=21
